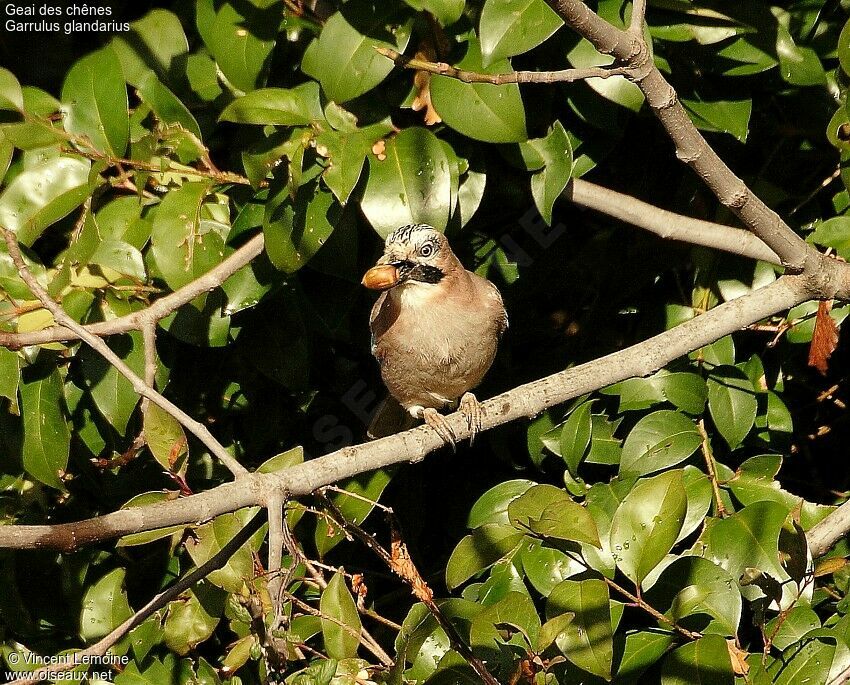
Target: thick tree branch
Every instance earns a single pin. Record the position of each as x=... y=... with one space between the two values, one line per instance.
x=666 y=224
x=152 y=314
x=143 y=389
x=443 y=69
x=412 y=446
x=630 y=51
x=102 y=646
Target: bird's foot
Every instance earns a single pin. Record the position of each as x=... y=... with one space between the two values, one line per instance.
x=438 y=422
x=470 y=407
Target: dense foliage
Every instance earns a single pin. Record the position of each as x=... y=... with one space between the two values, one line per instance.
x=640 y=533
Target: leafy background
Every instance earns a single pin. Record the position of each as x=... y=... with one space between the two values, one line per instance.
x=519 y=532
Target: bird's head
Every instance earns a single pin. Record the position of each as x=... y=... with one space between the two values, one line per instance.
x=413 y=254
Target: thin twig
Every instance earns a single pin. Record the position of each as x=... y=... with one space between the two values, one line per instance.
x=401 y=563
x=443 y=69
x=372 y=646
x=100 y=648
x=195 y=427
x=719 y=507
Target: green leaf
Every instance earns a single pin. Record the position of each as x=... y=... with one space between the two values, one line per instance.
x=482 y=111
x=587 y=641
x=515 y=609
x=155 y=42
x=755 y=481
x=834 y=233
x=193 y=617
x=705 y=660
x=799 y=66
x=165 y=439
x=240 y=36
x=658 y=441
x=492 y=506
x=412 y=185
x=112 y=393
x=343 y=58
x=640 y=651
x=166 y=105
x=545 y=567
x=575 y=437
x=791 y=627
x=119 y=256
x=732 y=403
x=11 y=97
x=822 y=656
x=105 y=606
x=647 y=523
x=346 y=152
x=336 y=603
x=446 y=11
x=43 y=194
x=95 y=99
x=552 y=629
x=698 y=488
x=208 y=540
x=10 y=378
x=697 y=587
x=484 y=547
x=550 y=513
x=722 y=115
x=511 y=27
x=47 y=440
x=279 y=106
x=185 y=246
x=687 y=391
x=364 y=489
x=548 y=183
x=748 y=538
x=297 y=230
x=614 y=89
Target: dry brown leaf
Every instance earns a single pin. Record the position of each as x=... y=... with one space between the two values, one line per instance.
x=824 y=338
x=738 y=657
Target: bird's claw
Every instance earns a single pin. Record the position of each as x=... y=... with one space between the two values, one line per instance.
x=438 y=422
x=470 y=407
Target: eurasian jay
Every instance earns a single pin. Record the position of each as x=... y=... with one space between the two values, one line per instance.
x=435 y=329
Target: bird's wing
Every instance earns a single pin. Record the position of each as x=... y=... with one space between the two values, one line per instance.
x=390 y=418
x=376 y=309
x=493 y=299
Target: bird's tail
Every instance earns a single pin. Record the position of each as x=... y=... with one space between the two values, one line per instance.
x=390 y=418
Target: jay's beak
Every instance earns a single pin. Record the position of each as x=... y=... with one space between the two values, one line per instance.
x=385 y=275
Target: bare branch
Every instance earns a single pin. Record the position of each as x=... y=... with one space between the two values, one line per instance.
x=277 y=577
x=638 y=17
x=101 y=647
x=412 y=446
x=139 y=385
x=443 y=69
x=666 y=224
x=631 y=52
x=154 y=313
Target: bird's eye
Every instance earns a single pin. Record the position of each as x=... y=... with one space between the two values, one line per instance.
x=426 y=250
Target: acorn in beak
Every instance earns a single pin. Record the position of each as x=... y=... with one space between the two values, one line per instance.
x=382 y=277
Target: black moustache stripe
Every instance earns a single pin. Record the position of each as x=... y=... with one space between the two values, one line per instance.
x=427 y=273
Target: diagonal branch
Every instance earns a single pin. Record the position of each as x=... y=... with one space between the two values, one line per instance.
x=524 y=401
x=631 y=52
x=139 y=385
x=101 y=647
x=152 y=314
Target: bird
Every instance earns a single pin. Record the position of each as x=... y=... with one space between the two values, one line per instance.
x=435 y=331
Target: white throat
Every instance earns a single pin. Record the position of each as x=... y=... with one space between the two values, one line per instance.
x=415 y=294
